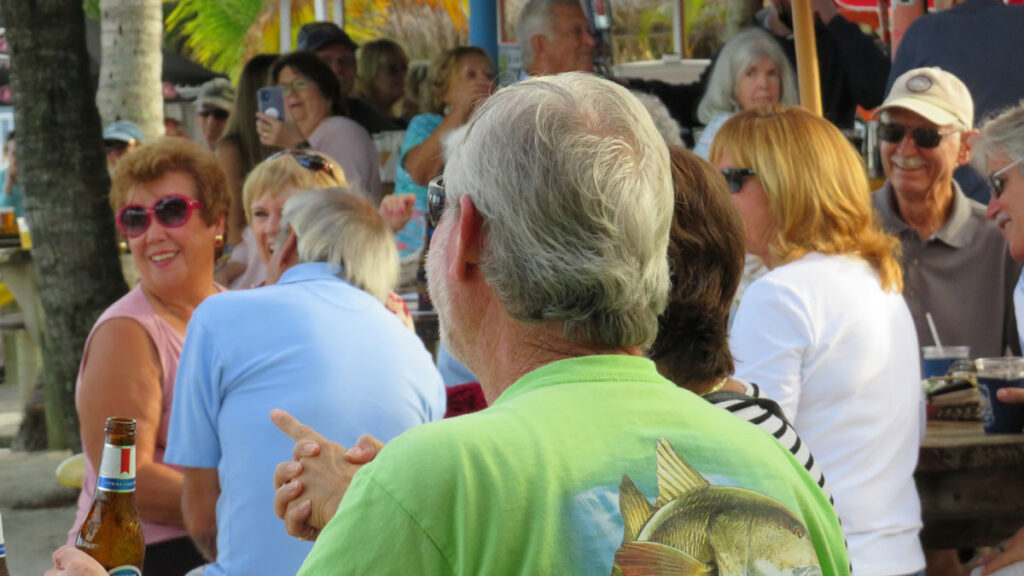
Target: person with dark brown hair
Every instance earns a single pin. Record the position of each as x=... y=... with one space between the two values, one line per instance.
x=706 y=255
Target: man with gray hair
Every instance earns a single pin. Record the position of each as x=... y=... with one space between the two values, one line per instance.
x=548 y=270
x=554 y=37
x=956 y=265
x=319 y=342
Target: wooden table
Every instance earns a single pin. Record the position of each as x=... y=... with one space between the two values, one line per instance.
x=971 y=485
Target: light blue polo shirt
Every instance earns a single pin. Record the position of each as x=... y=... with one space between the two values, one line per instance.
x=312 y=344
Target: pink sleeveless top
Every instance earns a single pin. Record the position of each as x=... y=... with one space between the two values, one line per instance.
x=168 y=347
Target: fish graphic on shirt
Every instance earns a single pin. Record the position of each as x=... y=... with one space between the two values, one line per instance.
x=699 y=529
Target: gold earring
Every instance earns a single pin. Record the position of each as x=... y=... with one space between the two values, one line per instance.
x=218 y=241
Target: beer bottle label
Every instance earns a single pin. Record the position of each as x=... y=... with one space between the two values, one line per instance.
x=117 y=469
x=125 y=570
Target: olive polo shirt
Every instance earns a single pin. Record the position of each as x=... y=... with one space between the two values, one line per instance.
x=963 y=274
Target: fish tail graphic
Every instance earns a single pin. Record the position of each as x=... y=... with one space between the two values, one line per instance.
x=675 y=476
x=635 y=509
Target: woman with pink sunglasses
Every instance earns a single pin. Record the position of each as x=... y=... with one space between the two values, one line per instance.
x=171 y=198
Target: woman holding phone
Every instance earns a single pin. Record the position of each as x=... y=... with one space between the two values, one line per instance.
x=314 y=113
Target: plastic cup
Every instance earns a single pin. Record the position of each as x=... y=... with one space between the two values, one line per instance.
x=936 y=361
x=995 y=373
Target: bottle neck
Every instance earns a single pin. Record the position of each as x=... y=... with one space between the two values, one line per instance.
x=117 y=468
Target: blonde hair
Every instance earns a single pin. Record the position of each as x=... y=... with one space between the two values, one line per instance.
x=442 y=70
x=817 y=188
x=283 y=175
x=373 y=58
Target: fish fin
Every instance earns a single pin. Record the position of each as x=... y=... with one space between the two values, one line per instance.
x=635 y=509
x=675 y=476
x=653 y=559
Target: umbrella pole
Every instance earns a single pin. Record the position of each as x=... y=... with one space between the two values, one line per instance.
x=806 y=56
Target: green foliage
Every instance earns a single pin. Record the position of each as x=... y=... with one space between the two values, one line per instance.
x=216 y=31
x=92 y=8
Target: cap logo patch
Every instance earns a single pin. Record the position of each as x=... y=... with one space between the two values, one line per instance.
x=919 y=83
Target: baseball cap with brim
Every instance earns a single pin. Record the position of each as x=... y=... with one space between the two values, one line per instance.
x=316 y=35
x=122 y=131
x=217 y=92
x=934 y=94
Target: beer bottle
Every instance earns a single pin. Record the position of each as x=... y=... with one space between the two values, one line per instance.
x=111 y=532
x=3 y=551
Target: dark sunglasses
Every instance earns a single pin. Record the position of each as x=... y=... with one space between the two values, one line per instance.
x=923 y=136
x=171 y=211
x=217 y=113
x=307 y=159
x=736 y=176
x=115 y=145
x=435 y=201
x=998 y=183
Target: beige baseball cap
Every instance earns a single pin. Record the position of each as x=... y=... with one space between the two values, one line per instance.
x=938 y=96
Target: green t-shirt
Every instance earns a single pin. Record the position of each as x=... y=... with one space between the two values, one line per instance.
x=579 y=465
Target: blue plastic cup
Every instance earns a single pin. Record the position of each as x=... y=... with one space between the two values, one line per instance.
x=993 y=374
x=935 y=361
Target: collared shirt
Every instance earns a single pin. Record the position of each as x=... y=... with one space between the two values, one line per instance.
x=963 y=275
x=314 y=346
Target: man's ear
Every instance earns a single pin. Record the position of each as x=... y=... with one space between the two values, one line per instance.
x=967 y=140
x=283 y=258
x=470 y=241
x=537 y=43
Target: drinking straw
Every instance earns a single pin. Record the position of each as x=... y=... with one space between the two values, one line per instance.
x=935 y=333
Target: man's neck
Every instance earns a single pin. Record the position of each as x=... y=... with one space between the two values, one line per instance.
x=504 y=350
x=927 y=213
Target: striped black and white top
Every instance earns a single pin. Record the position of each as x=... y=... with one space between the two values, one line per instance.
x=767 y=415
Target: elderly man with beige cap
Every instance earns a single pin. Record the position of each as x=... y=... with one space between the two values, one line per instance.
x=956 y=264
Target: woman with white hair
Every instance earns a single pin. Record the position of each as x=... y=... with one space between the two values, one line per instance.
x=751 y=71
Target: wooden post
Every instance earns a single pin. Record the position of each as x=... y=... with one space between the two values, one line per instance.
x=806 y=56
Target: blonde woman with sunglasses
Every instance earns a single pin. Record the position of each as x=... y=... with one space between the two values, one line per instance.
x=171 y=198
x=825 y=332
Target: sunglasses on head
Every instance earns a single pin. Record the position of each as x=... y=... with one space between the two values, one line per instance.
x=998 y=183
x=736 y=176
x=923 y=136
x=171 y=211
x=435 y=201
x=307 y=159
x=215 y=112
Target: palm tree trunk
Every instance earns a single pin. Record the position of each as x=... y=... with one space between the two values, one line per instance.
x=63 y=175
x=130 y=88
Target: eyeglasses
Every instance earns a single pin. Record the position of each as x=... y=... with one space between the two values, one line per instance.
x=923 y=136
x=217 y=113
x=171 y=211
x=736 y=176
x=308 y=159
x=998 y=183
x=296 y=86
x=435 y=201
